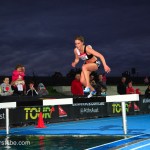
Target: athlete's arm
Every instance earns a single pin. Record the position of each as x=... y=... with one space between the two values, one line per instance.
x=97 y=54
x=76 y=59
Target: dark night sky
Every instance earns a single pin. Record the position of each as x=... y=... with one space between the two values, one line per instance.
x=40 y=34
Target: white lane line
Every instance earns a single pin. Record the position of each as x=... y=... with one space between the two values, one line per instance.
x=115 y=142
x=141 y=146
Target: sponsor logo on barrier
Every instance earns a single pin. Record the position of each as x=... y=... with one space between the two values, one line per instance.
x=146 y=100
x=89 y=104
x=2 y=116
x=116 y=108
x=89 y=110
x=62 y=113
x=33 y=112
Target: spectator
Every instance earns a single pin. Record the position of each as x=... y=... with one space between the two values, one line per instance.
x=5 y=88
x=103 y=90
x=147 y=92
x=121 y=87
x=104 y=79
x=100 y=87
x=146 y=81
x=100 y=78
x=76 y=86
x=18 y=82
x=137 y=91
x=42 y=91
x=92 y=81
x=131 y=90
x=31 y=91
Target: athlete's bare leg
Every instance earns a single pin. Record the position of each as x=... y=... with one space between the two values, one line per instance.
x=87 y=69
x=83 y=81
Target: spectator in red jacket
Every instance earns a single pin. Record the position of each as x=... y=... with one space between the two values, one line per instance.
x=76 y=86
x=137 y=91
x=131 y=90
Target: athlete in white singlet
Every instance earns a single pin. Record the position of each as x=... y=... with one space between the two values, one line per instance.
x=91 y=63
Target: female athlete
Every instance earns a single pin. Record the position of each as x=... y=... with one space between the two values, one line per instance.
x=91 y=63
